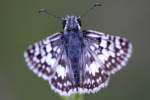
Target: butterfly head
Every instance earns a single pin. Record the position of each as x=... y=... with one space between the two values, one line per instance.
x=71 y=23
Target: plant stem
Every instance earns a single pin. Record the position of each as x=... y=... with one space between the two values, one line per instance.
x=73 y=97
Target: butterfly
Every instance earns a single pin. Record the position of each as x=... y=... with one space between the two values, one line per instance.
x=76 y=60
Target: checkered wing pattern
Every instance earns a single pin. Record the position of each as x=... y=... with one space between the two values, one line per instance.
x=94 y=77
x=104 y=55
x=47 y=59
x=42 y=57
x=62 y=80
x=111 y=51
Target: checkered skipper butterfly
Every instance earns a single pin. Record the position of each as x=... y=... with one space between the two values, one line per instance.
x=77 y=61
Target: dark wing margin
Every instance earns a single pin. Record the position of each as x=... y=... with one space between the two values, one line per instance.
x=41 y=57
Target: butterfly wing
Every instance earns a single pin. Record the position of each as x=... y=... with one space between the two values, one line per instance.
x=42 y=56
x=112 y=51
x=62 y=81
x=102 y=56
x=47 y=59
x=94 y=77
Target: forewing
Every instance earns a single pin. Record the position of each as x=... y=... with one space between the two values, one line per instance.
x=42 y=56
x=112 y=51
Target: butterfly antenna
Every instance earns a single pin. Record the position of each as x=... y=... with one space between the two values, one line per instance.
x=44 y=11
x=91 y=8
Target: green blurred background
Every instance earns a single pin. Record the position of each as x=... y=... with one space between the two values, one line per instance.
x=21 y=25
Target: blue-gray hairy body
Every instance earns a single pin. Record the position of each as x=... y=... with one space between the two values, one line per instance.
x=73 y=47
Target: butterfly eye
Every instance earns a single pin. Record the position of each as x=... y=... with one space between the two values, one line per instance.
x=64 y=23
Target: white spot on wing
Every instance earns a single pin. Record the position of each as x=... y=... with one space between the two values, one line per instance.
x=102 y=58
x=103 y=43
x=105 y=53
x=48 y=47
x=92 y=48
x=61 y=71
x=50 y=61
x=93 y=67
